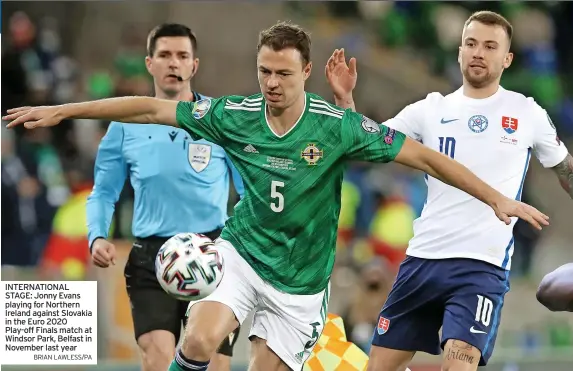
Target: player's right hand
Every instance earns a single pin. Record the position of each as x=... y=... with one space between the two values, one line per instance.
x=341 y=76
x=33 y=117
x=508 y=208
x=103 y=253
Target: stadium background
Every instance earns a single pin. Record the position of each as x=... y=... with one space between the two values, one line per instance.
x=58 y=52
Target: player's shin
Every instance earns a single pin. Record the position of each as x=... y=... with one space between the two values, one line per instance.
x=182 y=363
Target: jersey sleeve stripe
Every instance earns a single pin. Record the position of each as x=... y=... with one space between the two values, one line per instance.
x=321 y=103
x=322 y=112
x=244 y=103
x=327 y=107
x=243 y=108
x=247 y=104
x=249 y=100
x=259 y=99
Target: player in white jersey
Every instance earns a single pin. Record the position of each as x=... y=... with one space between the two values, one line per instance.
x=455 y=275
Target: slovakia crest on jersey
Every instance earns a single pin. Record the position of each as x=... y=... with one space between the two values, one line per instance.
x=509 y=124
x=383 y=325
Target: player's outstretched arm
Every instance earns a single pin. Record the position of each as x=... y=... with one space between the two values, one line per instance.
x=564 y=171
x=555 y=291
x=139 y=110
x=439 y=166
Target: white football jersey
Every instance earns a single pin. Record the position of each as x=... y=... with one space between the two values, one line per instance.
x=493 y=137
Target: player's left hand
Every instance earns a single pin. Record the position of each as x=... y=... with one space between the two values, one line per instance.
x=507 y=208
x=341 y=76
x=33 y=117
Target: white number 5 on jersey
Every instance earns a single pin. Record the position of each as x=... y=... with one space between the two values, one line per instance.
x=277 y=196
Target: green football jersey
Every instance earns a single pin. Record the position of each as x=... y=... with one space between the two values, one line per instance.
x=285 y=226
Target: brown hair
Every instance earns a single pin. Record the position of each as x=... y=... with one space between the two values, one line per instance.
x=491 y=19
x=169 y=30
x=286 y=35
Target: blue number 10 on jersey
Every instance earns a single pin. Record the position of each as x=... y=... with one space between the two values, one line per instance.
x=448 y=146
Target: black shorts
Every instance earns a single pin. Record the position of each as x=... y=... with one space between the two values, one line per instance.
x=151 y=307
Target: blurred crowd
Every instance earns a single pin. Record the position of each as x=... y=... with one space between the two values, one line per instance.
x=48 y=173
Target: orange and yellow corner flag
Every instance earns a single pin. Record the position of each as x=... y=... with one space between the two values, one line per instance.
x=333 y=352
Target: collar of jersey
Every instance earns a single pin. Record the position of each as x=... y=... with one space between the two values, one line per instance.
x=294 y=127
x=478 y=102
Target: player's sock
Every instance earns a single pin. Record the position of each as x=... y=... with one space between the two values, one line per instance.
x=182 y=363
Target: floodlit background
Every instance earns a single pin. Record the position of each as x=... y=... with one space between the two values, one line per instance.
x=58 y=52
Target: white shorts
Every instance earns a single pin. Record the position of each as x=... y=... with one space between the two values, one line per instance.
x=291 y=324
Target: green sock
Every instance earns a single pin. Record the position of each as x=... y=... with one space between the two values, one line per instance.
x=181 y=363
x=174 y=367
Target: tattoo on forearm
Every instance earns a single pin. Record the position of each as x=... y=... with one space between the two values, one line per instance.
x=564 y=172
x=458 y=352
x=460 y=356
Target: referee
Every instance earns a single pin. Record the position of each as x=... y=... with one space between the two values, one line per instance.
x=180 y=185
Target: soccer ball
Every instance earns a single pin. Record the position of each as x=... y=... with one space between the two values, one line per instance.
x=188 y=267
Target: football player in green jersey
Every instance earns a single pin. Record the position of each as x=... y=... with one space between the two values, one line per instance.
x=290 y=148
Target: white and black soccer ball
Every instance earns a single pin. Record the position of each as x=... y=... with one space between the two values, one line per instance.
x=188 y=267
